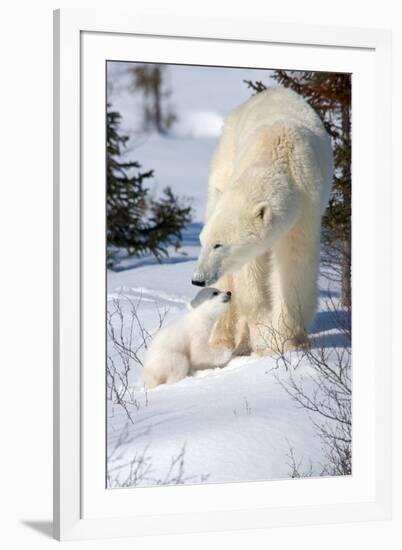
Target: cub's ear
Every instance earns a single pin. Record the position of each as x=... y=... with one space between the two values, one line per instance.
x=261 y=212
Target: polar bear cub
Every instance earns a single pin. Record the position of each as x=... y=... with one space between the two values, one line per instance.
x=183 y=346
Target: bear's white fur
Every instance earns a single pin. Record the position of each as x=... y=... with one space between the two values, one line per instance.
x=183 y=346
x=269 y=184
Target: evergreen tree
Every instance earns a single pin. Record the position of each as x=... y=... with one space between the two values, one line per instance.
x=149 y=79
x=135 y=222
x=329 y=94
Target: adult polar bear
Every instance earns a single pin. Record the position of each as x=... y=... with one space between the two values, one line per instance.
x=269 y=184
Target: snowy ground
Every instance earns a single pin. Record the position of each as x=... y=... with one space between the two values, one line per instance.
x=231 y=424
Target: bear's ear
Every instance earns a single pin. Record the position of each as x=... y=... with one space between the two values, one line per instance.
x=261 y=212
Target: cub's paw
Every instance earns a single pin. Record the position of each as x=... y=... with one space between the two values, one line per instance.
x=221 y=355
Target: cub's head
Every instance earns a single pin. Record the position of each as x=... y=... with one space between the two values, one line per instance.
x=211 y=301
x=242 y=226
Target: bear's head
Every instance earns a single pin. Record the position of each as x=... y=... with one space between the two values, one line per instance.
x=211 y=302
x=244 y=224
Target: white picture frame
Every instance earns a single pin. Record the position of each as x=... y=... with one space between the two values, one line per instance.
x=83 y=507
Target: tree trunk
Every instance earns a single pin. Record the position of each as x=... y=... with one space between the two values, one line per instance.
x=347 y=198
x=157 y=100
x=346 y=274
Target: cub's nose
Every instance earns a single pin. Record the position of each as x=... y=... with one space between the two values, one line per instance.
x=197 y=282
x=228 y=293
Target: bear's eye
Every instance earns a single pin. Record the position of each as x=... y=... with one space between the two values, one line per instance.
x=217 y=246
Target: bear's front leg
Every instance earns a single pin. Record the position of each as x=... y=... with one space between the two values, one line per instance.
x=271 y=338
x=295 y=262
x=260 y=338
x=286 y=334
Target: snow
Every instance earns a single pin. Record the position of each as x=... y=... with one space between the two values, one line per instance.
x=236 y=423
x=222 y=425
x=199 y=124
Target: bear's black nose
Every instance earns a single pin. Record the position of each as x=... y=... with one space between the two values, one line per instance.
x=228 y=293
x=198 y=283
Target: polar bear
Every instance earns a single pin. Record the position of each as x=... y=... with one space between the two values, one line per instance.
x=183 y=346
x=269 y=184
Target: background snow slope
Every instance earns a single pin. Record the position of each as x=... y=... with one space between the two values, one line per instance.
x=202 y=97
x=231 y=424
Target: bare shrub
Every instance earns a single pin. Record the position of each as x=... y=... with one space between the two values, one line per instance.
x=128 y=338
x=247 y=408
x=325 y=391
x=296 y=465
x=141 y=472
